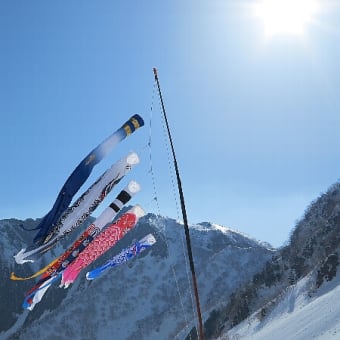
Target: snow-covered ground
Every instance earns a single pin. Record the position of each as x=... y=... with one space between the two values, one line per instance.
x=299 y=315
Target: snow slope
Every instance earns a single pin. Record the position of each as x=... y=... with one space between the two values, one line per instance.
x=302 y=313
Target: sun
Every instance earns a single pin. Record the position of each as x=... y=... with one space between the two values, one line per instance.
x=285 y=17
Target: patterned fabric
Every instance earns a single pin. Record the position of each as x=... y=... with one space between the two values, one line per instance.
x=124 y=256
x=89 y=201
x=82 y=208
x=104 y=241
x=115 y=232
x=92 y=231
x=35 y=296
x=81 y=173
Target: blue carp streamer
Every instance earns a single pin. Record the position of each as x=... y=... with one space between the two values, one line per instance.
x=124 y=256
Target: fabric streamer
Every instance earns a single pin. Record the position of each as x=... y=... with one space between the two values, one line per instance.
x=124 y=256
x=82 y=208
x=109 y=237
x=104 y=241
x=35 y=296
x=80 y=175
x=86 y=237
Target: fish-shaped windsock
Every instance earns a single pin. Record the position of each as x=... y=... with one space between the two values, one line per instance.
x=60 y=263
x=82 y=208
x=81 y=173
x=104 y=241
x=34 y=296
x=124 y=256
x=123 y=224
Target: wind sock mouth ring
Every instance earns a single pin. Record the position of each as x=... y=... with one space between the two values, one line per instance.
x=138 y=211
x=133 y=187
x=132 y=158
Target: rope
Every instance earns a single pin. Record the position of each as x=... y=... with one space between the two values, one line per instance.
x=177 y=210
x=170 y=165
x=150 y=153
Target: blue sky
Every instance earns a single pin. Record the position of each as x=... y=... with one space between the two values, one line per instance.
x=255 y=121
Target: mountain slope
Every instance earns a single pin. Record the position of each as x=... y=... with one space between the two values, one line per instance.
x=151 y=299
x=298 y=315
x=312 y=256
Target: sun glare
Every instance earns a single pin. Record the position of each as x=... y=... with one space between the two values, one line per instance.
x=285 y=16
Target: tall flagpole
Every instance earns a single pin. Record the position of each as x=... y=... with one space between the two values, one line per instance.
x=184 y=213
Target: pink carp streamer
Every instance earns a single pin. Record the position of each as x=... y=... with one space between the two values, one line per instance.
x=103 y=242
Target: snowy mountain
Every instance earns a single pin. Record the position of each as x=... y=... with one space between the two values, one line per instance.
x=247 y=289
x=151 y=298
x=292 y=297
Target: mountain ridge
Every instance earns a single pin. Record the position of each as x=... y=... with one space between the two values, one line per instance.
x=150 y=297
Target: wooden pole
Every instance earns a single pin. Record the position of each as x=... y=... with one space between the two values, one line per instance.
x=185 y=219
